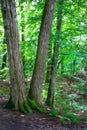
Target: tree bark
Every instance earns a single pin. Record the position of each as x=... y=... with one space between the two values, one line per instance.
x=48 y=73
x=38 y=73
x=17 y=95
x=51 y=90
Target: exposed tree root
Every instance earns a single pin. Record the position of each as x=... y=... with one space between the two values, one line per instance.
x=35 y=106
x=24 y=107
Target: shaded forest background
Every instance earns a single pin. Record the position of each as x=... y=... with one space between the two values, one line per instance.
x=69 y=60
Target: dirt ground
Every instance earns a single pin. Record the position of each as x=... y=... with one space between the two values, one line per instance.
x=13 y=120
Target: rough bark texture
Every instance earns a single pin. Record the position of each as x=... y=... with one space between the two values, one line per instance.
x=50 y=96
x=38 y=74
x=15 y=63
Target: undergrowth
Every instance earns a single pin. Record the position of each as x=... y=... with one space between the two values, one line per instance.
x=69 y=105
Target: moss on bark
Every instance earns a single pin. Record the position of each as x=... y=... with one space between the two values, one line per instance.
x=26 y=107
x=23 y=107
x=35 y=106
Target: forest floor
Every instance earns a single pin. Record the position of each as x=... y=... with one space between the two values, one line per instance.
x=13 y=120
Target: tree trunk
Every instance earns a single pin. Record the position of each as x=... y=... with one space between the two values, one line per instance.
x=38 y=73
x=51 y=90
x=17 y=96
x=48 y=73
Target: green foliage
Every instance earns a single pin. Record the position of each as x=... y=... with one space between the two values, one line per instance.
x=4 y=91
x=54 y=113
x=4 y=73
x=44 y=91
x=68 y=102
x=78 y=106
x=69 y=118
x=62 y=120
x=74 y=118
x=72 y=54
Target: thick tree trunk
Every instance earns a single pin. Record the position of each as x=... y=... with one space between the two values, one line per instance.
x=51 y=90
x=38 y=73
x=17 y=96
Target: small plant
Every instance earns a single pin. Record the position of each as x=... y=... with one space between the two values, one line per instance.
x=63 y=120
x=54 y=113
x=4 y=91
x=4 y=73
x=69 y=118
x=74 y=118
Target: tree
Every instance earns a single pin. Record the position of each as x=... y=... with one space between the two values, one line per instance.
x=38 y=73
x=48 y=73
x=50 y=96
x=17 y=95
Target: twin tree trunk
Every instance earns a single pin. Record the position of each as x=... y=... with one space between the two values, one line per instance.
x=38 y=73
x=17 y=96
x=51 y=90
